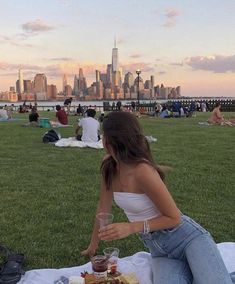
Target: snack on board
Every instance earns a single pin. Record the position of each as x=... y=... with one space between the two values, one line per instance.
x=128 y=278
x=89 y=278
x=125 y=278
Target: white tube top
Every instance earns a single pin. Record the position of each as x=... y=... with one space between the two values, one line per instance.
x=136 y=206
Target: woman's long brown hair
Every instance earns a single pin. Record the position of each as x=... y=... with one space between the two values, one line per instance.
x=124 y=135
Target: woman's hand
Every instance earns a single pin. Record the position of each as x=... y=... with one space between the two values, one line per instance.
x=115 y=231
x=90 y=251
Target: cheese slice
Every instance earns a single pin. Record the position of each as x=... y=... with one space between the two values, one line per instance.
x=128 y=278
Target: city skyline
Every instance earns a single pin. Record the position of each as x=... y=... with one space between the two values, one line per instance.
x=180 y=43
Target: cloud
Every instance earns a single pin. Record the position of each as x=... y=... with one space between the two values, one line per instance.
x=177 y=64
x=171 y=17
x=172 y=13
x=36 y=26
x=60 y=59
x=121 y=41
x=65 y=2
x=135 y=55
x=216 y=64
x=13 y=41
x=161 y=72
x=14 y=67
x=169 y=24
x=132 y=67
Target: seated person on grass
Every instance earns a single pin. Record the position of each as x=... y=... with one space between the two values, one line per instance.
x=33 y=118
x=3 y=114
x=61 y=117
x=217 y=118
x=90 y=128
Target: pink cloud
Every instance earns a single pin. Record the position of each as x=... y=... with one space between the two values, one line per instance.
x=12 y=67
x=36 y=27
x=216 y=64
x=13 y=41
x=171 y=15
x=60 y=59
x=161 y=72
x=132 y=67
x=177 y=64
x=169 y=24
x=136 y=55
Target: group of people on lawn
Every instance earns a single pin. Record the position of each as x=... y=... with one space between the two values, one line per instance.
x=182 y=251
x=88 y=127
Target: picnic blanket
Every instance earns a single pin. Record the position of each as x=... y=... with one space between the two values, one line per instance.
x=11 y=119
x=204 y=123
x=73 y=142
x=138 y=263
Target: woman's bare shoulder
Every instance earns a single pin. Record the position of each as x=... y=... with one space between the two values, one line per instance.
x=143 y=168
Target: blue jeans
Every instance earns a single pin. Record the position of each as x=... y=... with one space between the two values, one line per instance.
x=185 y=254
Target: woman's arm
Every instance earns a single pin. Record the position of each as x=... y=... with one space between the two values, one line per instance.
x=149 y=182
x=77 y=130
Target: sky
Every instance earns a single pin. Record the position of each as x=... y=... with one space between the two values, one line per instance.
x=190 y=43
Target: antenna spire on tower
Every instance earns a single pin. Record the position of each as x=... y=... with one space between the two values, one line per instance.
x=115 y=42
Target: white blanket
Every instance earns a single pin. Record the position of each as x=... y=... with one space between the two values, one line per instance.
x=137 y=263
x=73 y=142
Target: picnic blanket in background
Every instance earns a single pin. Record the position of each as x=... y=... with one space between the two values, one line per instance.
x=204 y=123
x=73 y=142
x=12 y=119
x=138 y=263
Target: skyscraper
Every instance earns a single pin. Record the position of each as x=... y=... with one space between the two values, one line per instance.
x=75 y=86
x=97 y=76
x=82 y=86
x=152 y=93
x=21 y=82
x=40 y=86
x=129 y=79
x=64 y=82
x=28 y=86
x=115 y=63
x=109 y=75
x=116 y=71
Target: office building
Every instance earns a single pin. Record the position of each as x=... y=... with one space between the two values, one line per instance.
x=97 y=76
x=40 y=87
x=28 y=86
x=75 y=86
x=51 y=91
x=64 y=83
x=21 y=82
x=82 y=85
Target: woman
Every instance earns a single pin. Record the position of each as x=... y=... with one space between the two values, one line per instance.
x=182 y=251
x=33 y=117
x=217 y=117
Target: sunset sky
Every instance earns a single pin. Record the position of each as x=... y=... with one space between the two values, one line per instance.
x=190 y=43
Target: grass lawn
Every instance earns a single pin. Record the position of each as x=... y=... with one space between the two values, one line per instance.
x=49 y=194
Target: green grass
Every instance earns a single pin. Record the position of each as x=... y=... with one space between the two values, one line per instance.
x=49 y=194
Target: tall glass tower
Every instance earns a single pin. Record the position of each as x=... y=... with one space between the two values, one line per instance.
x=115 y=63
x=21 y=82
x=64 y=82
